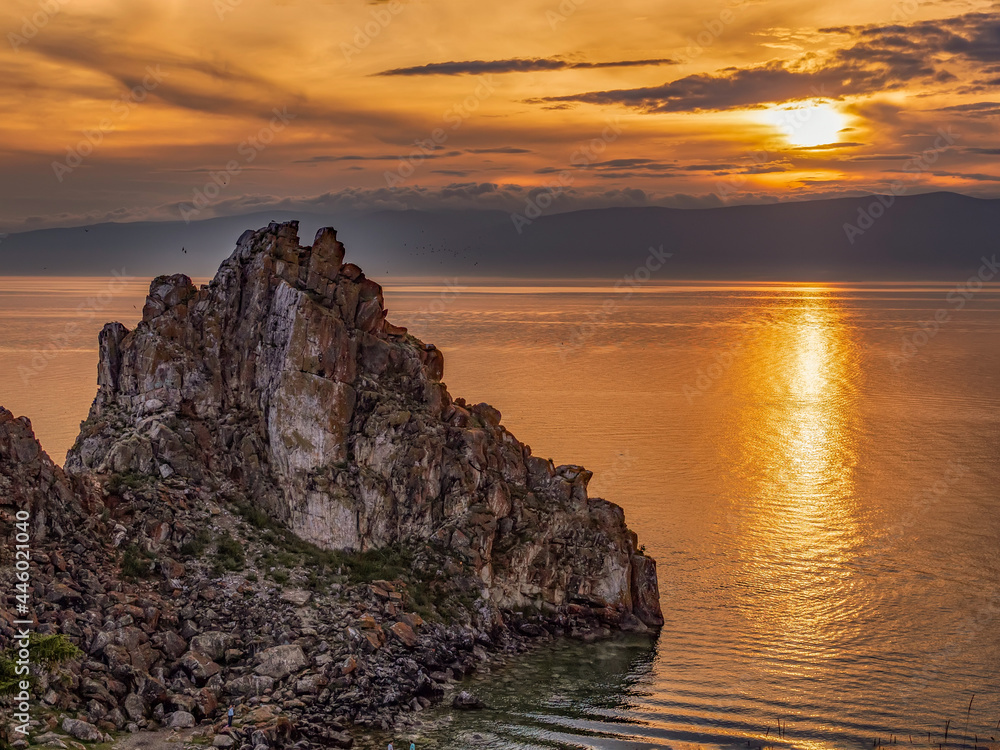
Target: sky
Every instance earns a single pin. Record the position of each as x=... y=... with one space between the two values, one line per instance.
x=125 y=110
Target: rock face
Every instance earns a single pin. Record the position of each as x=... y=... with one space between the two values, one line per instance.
x=30 y=482
x=283 y=379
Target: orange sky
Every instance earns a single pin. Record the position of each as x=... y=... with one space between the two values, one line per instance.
x=131 y=109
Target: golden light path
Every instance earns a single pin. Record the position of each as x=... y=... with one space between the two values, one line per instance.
x=799 y=452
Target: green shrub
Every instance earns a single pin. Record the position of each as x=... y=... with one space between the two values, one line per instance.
x=126 y=480
x=47 y=651
x=229 y=553
x=196 y=547
x=137 y=563
x=256 y=517
x=279 y=575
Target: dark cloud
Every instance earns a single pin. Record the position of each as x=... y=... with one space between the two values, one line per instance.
x=743 y=89
x=706 y=167
x=438 y=153
x=974 y=109
x=515 y=65
x=977 y=176
x=499 y=150
x=325 y=158
x=624 y=163
x=882 y=58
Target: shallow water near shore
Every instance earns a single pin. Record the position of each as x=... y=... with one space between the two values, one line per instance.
x=815 y=468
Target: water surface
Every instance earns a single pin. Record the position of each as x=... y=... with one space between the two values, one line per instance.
x=822 y=497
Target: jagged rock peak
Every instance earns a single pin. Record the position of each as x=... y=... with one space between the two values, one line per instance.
x=282 y=381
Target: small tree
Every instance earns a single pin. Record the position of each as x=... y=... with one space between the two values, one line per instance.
x=44 y=651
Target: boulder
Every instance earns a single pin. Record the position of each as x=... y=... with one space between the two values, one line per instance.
x=180 y=720
x=280 y=661
x=466 y=701
x=135 y=707
x=296 y=597
x=250 y=685
x=199 y=666
x=82 y=730
x=404 y=633
x=212 y=644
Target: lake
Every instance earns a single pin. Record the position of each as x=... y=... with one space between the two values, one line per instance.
x=816 y=469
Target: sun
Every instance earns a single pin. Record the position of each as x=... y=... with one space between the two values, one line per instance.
x=807 y=124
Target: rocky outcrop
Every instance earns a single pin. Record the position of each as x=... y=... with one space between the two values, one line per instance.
x=31 y=484
x=130 y=574
x=273 y=406
x=283 y=382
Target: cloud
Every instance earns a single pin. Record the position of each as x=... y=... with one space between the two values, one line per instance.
x=974 y=109
x=745 y=88
x=327 y=158
x=100 y=52
x=515 y=65
x=438 y=153
x=499 y=150
x=882 y=58
x=977 y=176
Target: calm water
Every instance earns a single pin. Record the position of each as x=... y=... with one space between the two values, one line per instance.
x=825 y=511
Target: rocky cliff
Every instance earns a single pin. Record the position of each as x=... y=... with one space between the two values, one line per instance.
x=283 y=382
x=275 y=503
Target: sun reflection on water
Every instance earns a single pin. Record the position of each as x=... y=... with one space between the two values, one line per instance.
x=796 y=527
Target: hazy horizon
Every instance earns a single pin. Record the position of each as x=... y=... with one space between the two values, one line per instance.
x=187 y=110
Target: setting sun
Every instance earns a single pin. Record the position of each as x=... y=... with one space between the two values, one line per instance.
x=809 y=124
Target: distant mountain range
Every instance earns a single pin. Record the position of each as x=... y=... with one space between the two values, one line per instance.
x=934 y=236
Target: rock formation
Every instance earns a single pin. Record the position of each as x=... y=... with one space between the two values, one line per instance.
x=31 y=483
x=275 y=503
x=283 y=381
